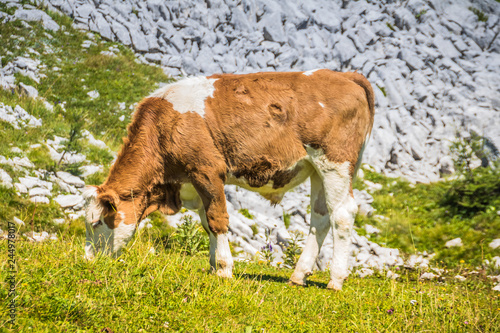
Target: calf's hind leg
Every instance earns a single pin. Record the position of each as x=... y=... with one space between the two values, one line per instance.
x=320 y=225
x=337 y=179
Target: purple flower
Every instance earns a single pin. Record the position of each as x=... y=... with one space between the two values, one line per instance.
x=390 y=311
x=267 y=247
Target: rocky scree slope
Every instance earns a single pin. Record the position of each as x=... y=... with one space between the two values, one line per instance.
x=434 y=64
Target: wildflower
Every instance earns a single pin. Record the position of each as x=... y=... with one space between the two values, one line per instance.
x=466 y=322
x=413 y=302
x=267 y=247
x=462 y=261
x=390 y=311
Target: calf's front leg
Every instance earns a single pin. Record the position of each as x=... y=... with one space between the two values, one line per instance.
x=215 y=220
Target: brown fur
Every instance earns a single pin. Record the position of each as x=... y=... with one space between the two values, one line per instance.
x=256 y=126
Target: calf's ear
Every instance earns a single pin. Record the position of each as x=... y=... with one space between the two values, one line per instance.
x=109 y=200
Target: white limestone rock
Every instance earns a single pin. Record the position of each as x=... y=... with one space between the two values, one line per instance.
x=496 y=261
x=69 y=200
x=18 y=221
x=93 y=141
x=5 y=179
x=364 y=272
x=94 y=94
x=59 y=221
x=70 y=179
x=29 y=91
x=428 y=276
x=371 y=229
x=495 y=243
x=35 y=15
x=39 y=191
x=88 y=170
x=391 y=275
x=40 y=199
x=20 y=188
x=457 y=242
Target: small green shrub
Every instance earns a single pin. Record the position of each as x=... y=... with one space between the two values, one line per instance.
x=246 y=213
x=476 y=189
x=382 y=89
x=419 y=15
x=286 y=219
x=255 y=229
x=190 y=237
x=76 y=119
x=481 y=16
x=267 y=252
x=293 y=251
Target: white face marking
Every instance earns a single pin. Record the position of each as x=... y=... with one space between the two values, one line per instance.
x=311 y=72
x=99 y=237
x=93 y=210
x=321 y=104
x=188 y=94
x=121 y=215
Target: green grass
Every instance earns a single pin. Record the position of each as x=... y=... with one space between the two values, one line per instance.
x=417 y=218
x=144 y=292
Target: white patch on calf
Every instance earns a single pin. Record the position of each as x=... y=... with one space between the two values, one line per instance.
x=321 y=104
x=93 y=210
x=311 y=72
x=123 y=233
x=342 y=207
x=106 y=240
x=338 y=179
x=320 y=225
x=99 y=237
x=188 y=94
x=224 y=257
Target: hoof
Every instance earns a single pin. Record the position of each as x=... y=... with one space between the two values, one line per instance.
x=335 y=285
x=224 y=273
x=296 y=283
x=298 y=279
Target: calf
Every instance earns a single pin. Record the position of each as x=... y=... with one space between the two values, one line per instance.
x=265 y=132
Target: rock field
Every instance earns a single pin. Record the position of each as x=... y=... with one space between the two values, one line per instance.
x=433 y=64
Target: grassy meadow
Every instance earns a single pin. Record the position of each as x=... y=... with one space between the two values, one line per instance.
x=155 y=286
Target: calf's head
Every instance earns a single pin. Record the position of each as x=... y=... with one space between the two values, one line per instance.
x=111 y=221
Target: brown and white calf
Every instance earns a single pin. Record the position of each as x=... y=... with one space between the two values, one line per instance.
x=266 y=132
